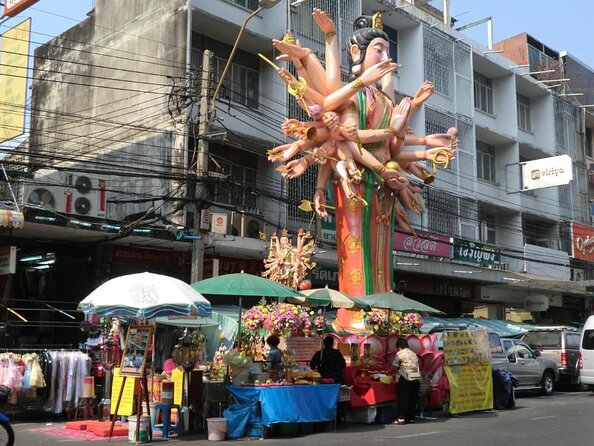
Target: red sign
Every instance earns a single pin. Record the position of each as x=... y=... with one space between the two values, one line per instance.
x=424 y=243
x=582 y=242
x=13 y=7
x=140 y=256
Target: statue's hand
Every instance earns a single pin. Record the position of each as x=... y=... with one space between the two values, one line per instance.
x=331 y=120
x=324 y=21
x=295 y=168
x=292 y=50
x=375 y=72
x=291 y=126
x=319 y=200
x=423 y=93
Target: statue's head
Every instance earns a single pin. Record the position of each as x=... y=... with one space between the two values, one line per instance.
x=368 y=44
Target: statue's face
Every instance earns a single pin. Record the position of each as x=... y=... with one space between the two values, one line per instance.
x=377 y=51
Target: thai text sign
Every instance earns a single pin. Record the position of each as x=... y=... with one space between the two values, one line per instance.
x=13 y=80
x=582 y=241
x=463 y=346
x=423 y=243
x=547 y=172
x=471 y=387
x=474 y=252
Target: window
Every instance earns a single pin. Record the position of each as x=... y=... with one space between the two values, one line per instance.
x=524 y=113
x=249 y=4
x=485 y=162
x=588 y=340
x=483 y=93
x=393 y=41
x=240 y=84
x=235 y=183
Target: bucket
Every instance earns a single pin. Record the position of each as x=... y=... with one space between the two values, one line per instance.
x=167 y=392
x=217 y=428
x=143 y=432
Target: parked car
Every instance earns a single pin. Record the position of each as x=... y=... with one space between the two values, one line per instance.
x=533 y=372
x=587 y=354
x=562 y=345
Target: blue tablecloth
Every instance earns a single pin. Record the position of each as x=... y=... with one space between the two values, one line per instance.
x=291 y=404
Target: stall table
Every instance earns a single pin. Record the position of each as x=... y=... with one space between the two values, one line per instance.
x=291 y=404
x=365 y=390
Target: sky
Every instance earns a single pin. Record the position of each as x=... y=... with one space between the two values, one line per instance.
x=563 y=25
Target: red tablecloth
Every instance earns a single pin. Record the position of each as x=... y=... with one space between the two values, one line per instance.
x=365 y=390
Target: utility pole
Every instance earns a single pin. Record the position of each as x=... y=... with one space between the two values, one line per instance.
x=201 y=191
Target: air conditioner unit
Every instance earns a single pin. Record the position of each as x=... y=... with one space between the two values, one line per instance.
x=85 y=195
x=78 y=194
x=245 y=225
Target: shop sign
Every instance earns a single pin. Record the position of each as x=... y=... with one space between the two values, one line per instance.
x=219 y=223
x=536 y=302
x=13 y=7
x=466 y=251
x=141 y=256
x=582 y=241
x=229 y=265
x=320 y=277
x=546 y=172
x=8 y=256
x=424 y=243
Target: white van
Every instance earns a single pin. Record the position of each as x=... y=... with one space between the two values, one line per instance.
x=587 y=353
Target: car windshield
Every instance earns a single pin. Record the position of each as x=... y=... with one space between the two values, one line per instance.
x=543 y=339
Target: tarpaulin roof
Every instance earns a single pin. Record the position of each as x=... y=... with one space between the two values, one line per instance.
x=502 y=328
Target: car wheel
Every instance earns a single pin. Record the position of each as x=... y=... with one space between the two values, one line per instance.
x=547 y=384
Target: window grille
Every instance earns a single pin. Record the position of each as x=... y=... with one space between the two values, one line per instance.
x=252 y=5
x=442 y=211
x=483 y=93
x=524 y=121
x=439 y=61
x=485 y=162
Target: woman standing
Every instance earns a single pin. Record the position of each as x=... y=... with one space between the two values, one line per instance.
x=407 y=364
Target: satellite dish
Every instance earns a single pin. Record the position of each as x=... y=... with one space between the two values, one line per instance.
x=83 y=185
x=82 y=205
x=42 y=197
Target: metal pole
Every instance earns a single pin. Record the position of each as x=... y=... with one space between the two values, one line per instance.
x=201 y=191
x=213 y=104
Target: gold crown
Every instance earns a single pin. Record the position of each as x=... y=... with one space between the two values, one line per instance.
x=376 y=20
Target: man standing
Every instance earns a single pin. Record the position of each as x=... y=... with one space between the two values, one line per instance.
x=407 y=363
x=329 y=362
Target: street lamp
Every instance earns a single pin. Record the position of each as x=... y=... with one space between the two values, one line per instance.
x=262 y=4
x=185 y=354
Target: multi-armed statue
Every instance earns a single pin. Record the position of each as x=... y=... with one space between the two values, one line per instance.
x=357 y=137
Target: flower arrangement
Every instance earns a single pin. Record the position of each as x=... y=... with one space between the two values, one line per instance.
x=289 y=360
x=377 y=321
x=284 y=319
x=320 y=321
x=406 y=323
x=255 y=318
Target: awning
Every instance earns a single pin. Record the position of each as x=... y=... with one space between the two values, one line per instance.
x=540 y=283
x=11 y=219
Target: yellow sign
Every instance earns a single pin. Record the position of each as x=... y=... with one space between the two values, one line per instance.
x=127 y=401
x=177 y=376
x=464 y=346
x=14 y=61
x=471 y=387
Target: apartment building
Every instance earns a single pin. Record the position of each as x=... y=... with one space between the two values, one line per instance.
x=123 y=100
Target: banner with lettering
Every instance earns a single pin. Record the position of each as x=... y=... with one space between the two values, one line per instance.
x=474 y=252
x=471 y=387
x=582 y=238
x=424 y=243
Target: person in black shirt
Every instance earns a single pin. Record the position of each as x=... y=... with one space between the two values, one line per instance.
x=329 y=362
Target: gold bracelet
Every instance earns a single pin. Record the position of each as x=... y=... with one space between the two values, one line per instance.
x=357 y=83
x=329 y=37
x=379 y=168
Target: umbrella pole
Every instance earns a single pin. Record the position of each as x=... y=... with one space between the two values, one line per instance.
x=239 y=325
x=388 y=337
x=323 y=331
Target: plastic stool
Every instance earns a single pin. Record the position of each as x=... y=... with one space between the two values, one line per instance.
x=166 y=427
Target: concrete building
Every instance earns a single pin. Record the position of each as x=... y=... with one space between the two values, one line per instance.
x=121 y=127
